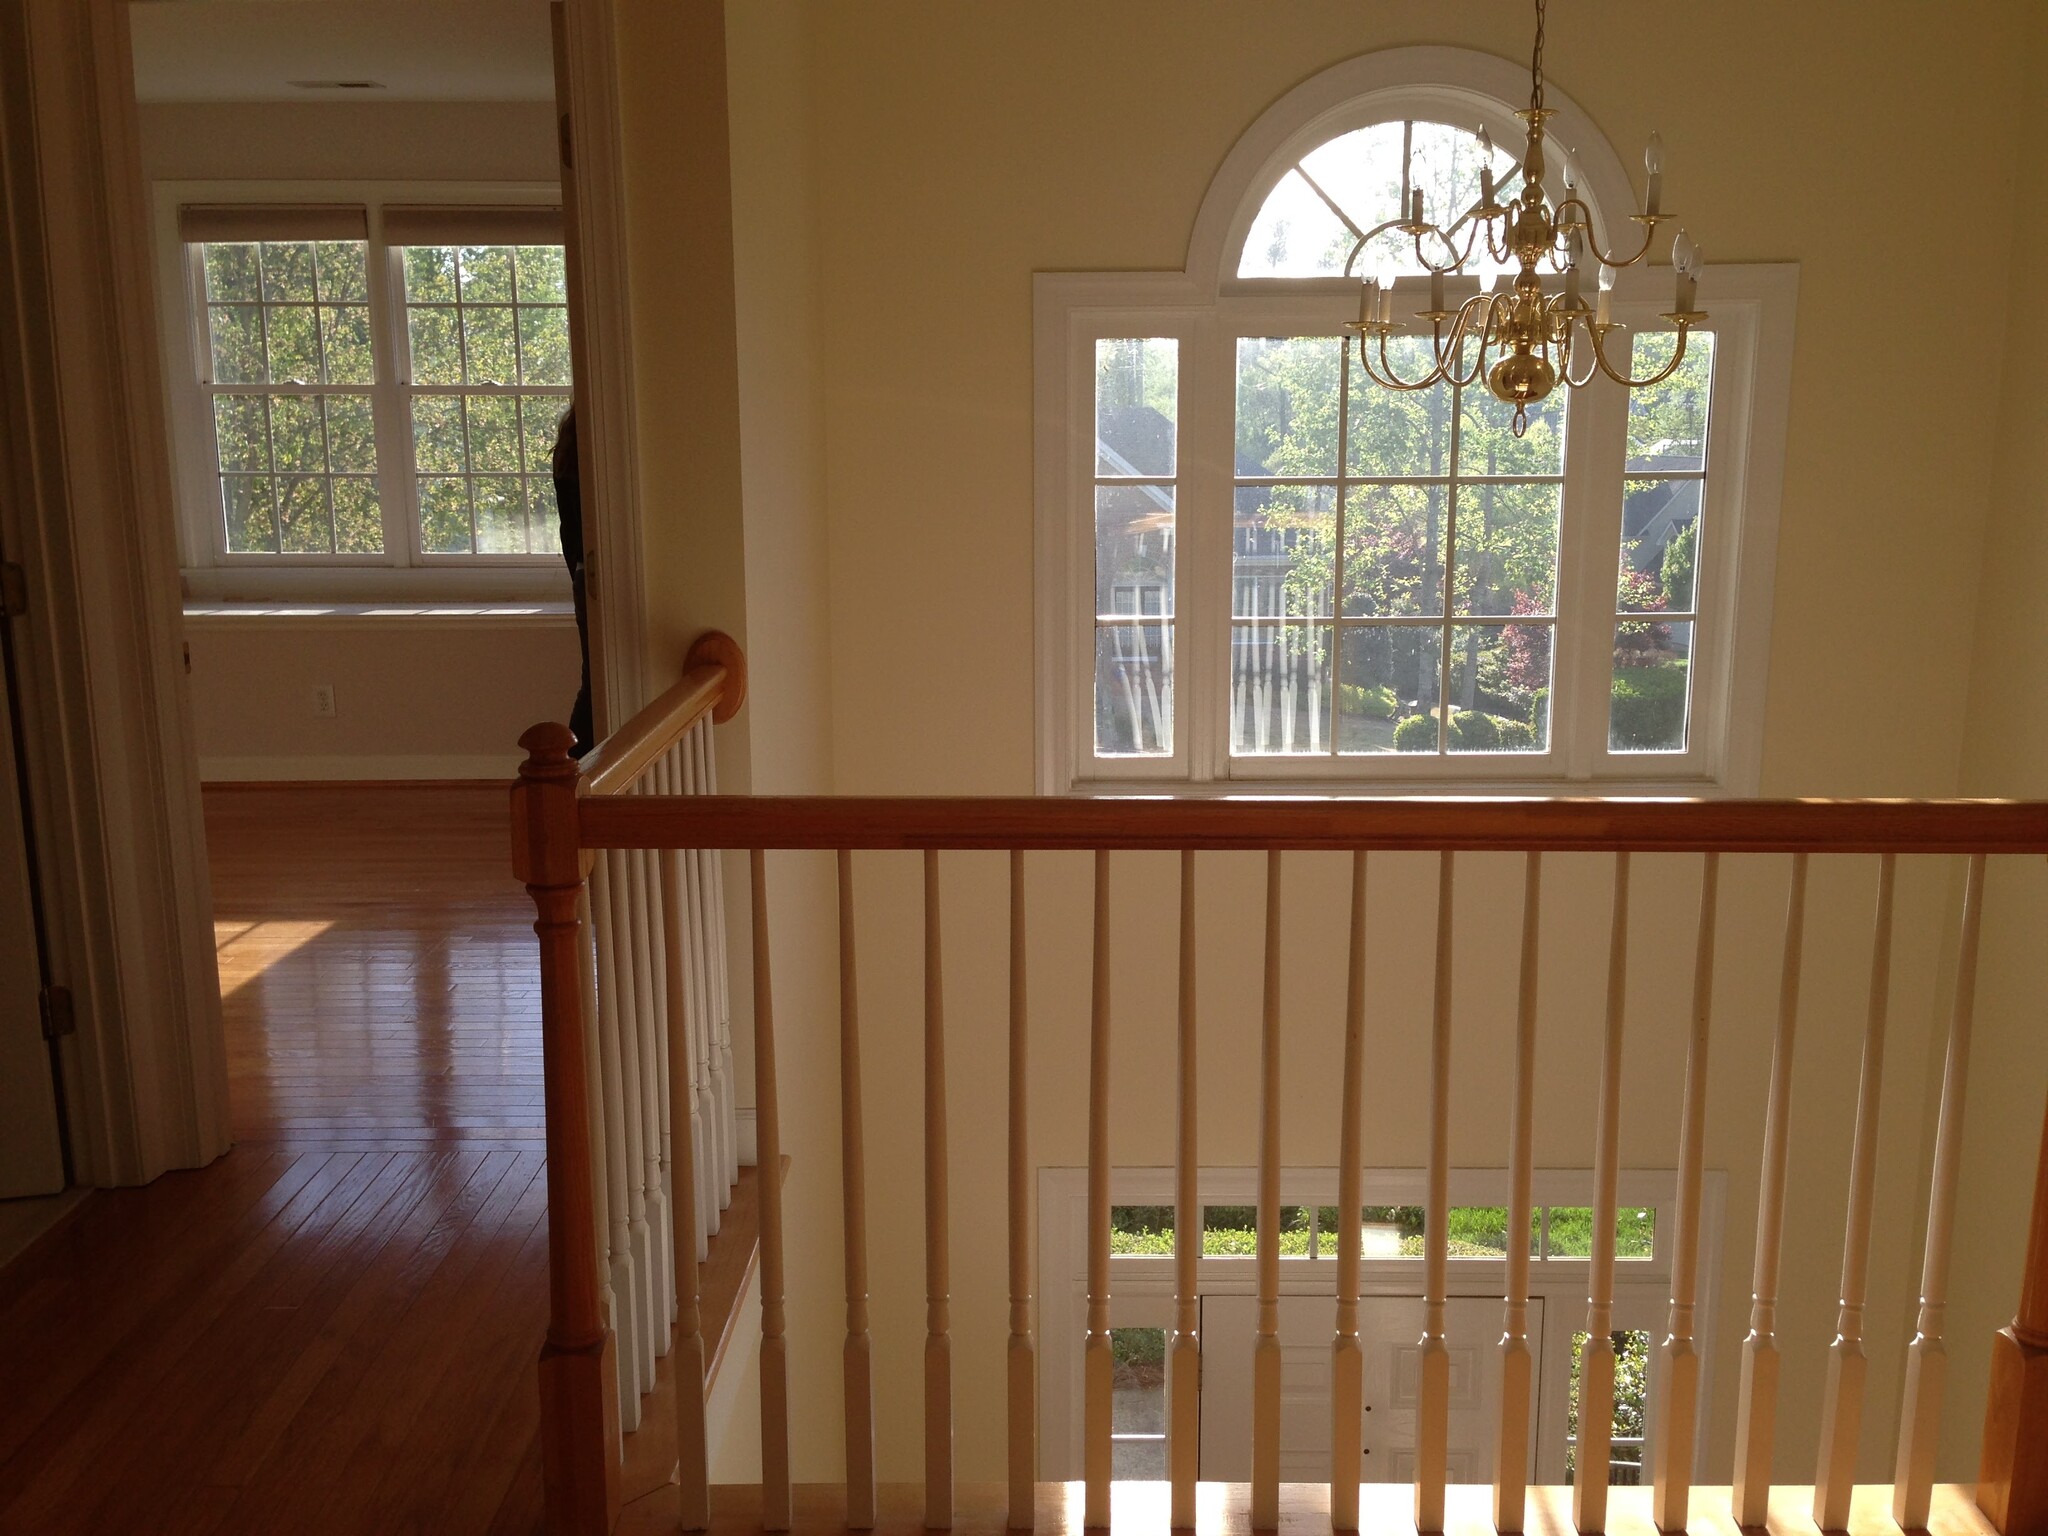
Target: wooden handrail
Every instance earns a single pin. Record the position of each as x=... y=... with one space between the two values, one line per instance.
x=1550 y=826
x=714 y=683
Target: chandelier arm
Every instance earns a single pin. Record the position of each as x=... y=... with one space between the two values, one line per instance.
x=1472 y=306
x=1387 y=378
x=1592 y=369
x=1649 y=234
x=1626 y=380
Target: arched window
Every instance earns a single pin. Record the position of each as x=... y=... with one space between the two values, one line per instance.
x=1256 y=564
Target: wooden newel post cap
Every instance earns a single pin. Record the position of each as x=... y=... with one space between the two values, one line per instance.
x=545 y=838
x=715 y=648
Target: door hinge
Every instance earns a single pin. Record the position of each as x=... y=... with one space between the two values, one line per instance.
x=59 y=1018
x=13 y=590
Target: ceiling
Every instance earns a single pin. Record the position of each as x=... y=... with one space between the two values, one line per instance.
x=418 y=50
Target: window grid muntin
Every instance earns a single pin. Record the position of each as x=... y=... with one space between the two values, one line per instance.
x=1446 y=621
x=526 y=476
x=270 y=388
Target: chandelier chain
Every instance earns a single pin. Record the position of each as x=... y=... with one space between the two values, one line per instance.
x=1536 y=61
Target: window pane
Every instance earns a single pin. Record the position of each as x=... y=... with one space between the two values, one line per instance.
x=1392 y=1231
x=1137 y=1395
x=543 y=345
x=251 y=517
x=297 y=441
x=500 y=515
x=1487 y=444
x=437 y=439
x=1399 y=432
x=351 y=435
x=543 y=517
x=237 y=333
x=490 y=355
x=540 y=418
x=1389 y=680
x=444 y=515
x=1137 y=405
x=1133 y=690
x=231 y=274
x=486 y=274
x=240 y=438
x=429 y=274
x=1631 y=1407
x=345 y=330
x=1396 y=1231
x=1231 y=1230
x=1667 y=423
x=1287 y=405
x=1295 y=235
x=1141 y=1229
x=436 y=346
x=1280 y=687
x=1651 y=672
x=294 y=344
x=1285 y=547
x=1500 y=688
x=493 y=432
x=288 y=272
x=1571 y=1232
x=302 y=518
x=344 y=274
x=1507 y=548
x=1660 y=521
x=358 y=521
x=1134 y=542
x=542 y=277
x=1393 y=550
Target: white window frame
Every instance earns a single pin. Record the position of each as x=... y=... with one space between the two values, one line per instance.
x=1206 y=308
x=1142 y=1286
x=403 y=571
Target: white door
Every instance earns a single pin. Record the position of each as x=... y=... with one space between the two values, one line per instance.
x=1388 y=1328
x=31 y=1157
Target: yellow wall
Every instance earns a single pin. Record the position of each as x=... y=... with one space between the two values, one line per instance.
x=900 y=170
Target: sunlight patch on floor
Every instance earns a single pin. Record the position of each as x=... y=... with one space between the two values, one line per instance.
x=245 y=950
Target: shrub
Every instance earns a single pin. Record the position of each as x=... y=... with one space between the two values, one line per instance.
x=1416 y=734
x=1368 y=701
x=1517 y=736
x=1474 y=730
x=1648 y=709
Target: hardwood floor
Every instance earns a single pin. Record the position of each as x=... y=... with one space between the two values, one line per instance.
x=333 y=1328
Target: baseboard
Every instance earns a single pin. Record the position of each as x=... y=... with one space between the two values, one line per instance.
x=500 y=766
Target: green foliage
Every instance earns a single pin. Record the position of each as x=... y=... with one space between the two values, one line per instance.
x=1517 y=736
x=1680 y=556
x=1137 y=1346
x=1473 y=730
x=1368 y=701
x=1416 y=734
x=1648 y=708
x=1631 y=1403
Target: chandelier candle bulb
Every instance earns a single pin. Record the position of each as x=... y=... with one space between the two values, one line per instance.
x=1653 y=162
x=1415 y=206
x=1436 y=291
x=1387 y=305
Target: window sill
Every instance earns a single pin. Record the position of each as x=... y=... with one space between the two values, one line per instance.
x=315 y=615
x=1687 y=787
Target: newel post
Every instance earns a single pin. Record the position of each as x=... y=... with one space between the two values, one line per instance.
x=2012 y=1478
x=579 y=1429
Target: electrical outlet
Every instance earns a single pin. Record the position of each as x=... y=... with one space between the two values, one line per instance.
x=323 y=700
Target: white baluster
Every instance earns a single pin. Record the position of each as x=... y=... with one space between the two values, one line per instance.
x=1433 y=1401
x=645 y=938
x=1841 y=1414
x=776 y=1496
x=593 y=1074
x=630 y=993
x=1927 y=1355
x=679 y=899
x=1594 y=1451
x=1679 y=1359
x=1756 y=1413
x=1347 y=1362
x=1511 y=1449
x=693 y=1465
x=1097 y=1364
x=1023 y=1350
x=857 y=1358
x=627 y=1309
x=696 y=866
x=727 y=1080
x=1266 y=1345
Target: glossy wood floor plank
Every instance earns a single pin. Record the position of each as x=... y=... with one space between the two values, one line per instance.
x=334 y=1327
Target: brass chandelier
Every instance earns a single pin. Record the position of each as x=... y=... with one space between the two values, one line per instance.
x=1531 y=336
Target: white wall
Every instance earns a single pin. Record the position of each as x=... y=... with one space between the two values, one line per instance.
x=435 y=698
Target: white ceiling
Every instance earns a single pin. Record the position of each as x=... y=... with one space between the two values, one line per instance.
x=420 y=50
